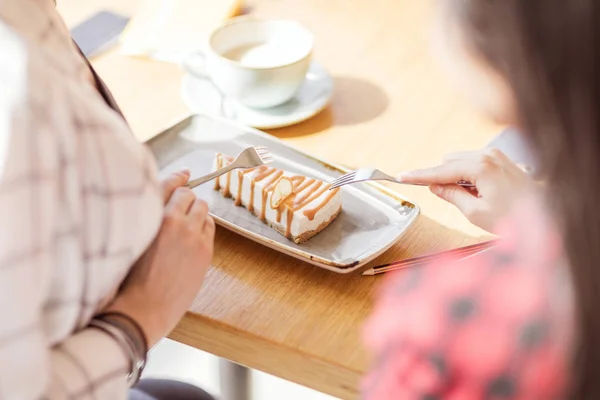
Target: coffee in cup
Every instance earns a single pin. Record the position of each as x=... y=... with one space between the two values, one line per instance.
x=260 y=63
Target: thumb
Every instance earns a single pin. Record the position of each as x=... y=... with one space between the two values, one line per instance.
x=457 y=195
x=173 y=181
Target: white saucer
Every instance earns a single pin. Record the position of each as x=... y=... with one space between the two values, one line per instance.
x=313 y=96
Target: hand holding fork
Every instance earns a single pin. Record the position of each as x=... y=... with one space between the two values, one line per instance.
x=372 y=174
x=482 y=184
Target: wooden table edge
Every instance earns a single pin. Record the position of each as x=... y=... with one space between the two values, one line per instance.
x=249 y=350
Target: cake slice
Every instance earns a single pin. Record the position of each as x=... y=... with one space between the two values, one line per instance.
x=295 y=206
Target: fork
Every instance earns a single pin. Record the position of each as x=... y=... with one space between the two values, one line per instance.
x=372 y=174
x=249 y=158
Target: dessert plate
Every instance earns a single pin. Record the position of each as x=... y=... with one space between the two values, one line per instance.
x=201 y=96
x=373 y=217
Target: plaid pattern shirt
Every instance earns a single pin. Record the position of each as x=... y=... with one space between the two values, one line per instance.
x=493 y=326
x=79 y=203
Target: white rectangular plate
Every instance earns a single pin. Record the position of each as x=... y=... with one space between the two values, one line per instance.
x=373 y=218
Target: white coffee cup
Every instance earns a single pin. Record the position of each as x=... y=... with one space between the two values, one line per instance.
x=260 y=63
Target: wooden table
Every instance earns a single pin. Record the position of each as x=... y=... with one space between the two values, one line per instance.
x=392 y=109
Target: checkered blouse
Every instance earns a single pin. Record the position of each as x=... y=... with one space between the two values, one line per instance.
x=495 y=326
x=79 y=203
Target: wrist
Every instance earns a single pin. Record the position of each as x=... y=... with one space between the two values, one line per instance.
x=146 y=320
x=130 y=327
x=128 y=334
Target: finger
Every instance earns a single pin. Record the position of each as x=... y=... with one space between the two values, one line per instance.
x=462 y=198
x=457 y=156
x=528 y=169
x=498 y=155
x=173 y=181
x=477 y=154
x=199 y=212
x=442 y=174
x=181 y=201
x=506 y=161
x=210 y=227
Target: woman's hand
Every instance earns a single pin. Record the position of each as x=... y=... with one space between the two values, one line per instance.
x=498 y=182
x=163 y=283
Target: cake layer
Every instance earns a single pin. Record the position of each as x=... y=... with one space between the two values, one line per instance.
x=308 y=210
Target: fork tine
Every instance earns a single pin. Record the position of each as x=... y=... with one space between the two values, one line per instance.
x=349 y=175
x=336 y=185
x=340 y=182
x=264 y=154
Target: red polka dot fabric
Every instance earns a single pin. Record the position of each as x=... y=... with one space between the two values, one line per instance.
x=494 y=326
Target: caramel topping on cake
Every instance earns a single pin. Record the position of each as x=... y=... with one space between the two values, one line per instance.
x=301 y=193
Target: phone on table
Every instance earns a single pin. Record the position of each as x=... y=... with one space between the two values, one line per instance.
x=99 y=32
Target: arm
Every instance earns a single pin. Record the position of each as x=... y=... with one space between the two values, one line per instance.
x=89 y=364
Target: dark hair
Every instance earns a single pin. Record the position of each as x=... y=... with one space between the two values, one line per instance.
x=546 y=51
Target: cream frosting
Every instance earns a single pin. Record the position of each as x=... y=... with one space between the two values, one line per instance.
x=310 y=206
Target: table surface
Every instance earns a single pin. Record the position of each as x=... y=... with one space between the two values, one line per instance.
x=393 y=109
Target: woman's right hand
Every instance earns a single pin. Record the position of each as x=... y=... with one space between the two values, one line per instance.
x=498 y=181
x=163 y=283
